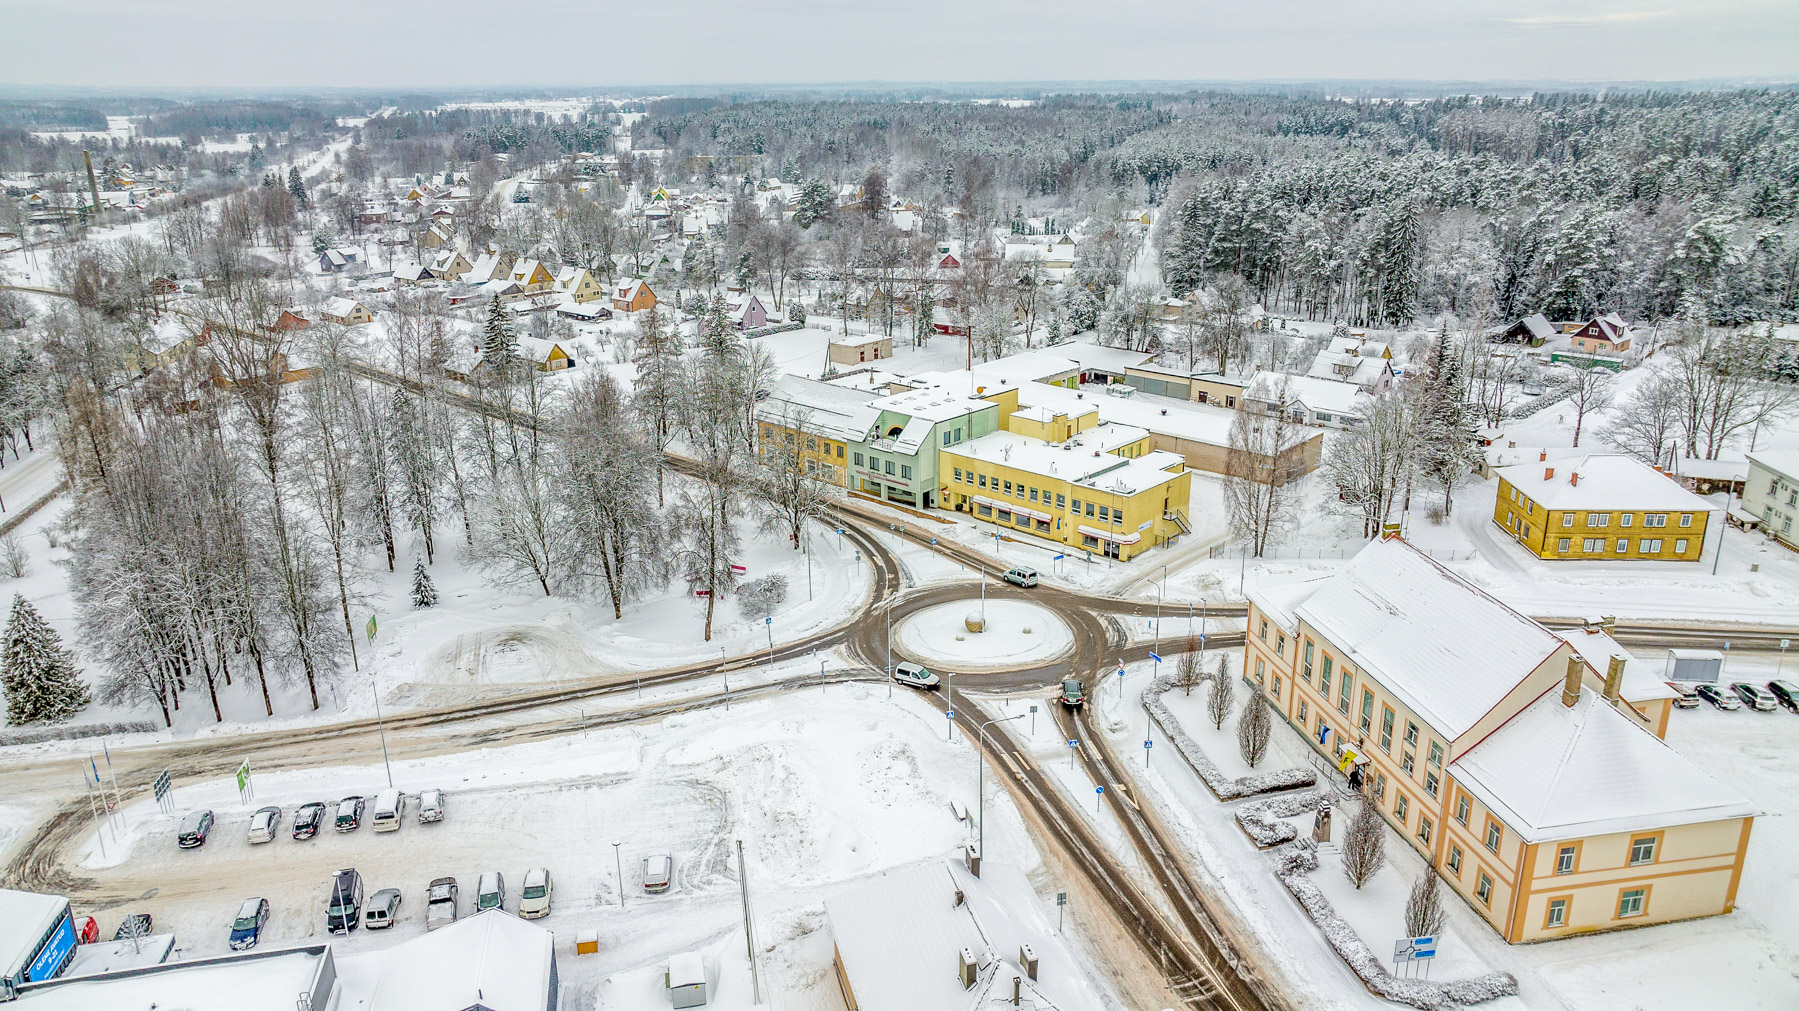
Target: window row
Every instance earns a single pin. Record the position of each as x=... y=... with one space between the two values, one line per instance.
x=1020 y=490
x=1626 y=519
x=1597 y=545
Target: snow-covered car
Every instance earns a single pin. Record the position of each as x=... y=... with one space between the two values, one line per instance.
x=384 y=908
x=431 y=806
x=1755 y=696
x=349 y=814
x=194 y=829
x=246 y=930
x=264 y=823
x=914 y=674
x=307 y=819
x=658 y=871
x=1684 y=696
x=1718 y=697
x=440 y=903
x=534 y=897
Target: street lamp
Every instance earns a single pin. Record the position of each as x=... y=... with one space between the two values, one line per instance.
x=1160 y=586
x=981 y=782
x=725 y=672
x=618 y=864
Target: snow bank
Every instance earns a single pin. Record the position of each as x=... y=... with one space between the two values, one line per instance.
x=1294 y=863
x=1223 y=787
x=1265 y=820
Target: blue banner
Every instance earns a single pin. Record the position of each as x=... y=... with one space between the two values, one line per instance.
x=55 y=954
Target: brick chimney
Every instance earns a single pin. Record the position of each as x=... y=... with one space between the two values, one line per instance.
x=1614 y=679
x=1574 y=478
x=1571 y=685
x=1548 y=473
x=1542 y=455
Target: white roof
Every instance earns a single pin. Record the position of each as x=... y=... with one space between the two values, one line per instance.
x=24 y=916
x=490 y=960
x=1282 y=602
x=1105 y=359
x=1641 y=682
x=1087 y=462
x=930 y=405
x=1558 y=772
x=1162 y=415
x=1447 y=650
x=1606 y=482
x=1780 y=461
x=537 y=349
x=340 y=306
x=266 y=981
x=828 y=410
x=855 y=340
x=1315 y=394
x=686 y=969
x=884 y=928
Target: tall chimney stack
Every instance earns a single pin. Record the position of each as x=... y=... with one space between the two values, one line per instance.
x=1571 y=685
x=1614 y=679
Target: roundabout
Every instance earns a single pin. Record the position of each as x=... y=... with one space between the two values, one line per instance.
x=1017 y=634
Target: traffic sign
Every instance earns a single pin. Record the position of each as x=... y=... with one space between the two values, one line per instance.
x=1099 y=789
x=1061 y=898
x=1074 y=744
x=950 y=715
x=161 y=786
x=768 y=621
x=371 y=628
x=1152 y=656
x=1148 y=743
x=1424 y=947
x=1059 y=557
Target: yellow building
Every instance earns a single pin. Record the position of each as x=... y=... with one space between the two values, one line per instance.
x=1098 y=488
x=1600 y=507
x=1535 y=784
x=812 y=423
x=579 y=284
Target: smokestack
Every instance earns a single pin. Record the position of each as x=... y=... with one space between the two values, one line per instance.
x=1548 y=473
x=1608 y=623
x=1574 y=478
x=1017 y=991
x=1571 y=686
x=1542 y=455
x=968 y=968
x=1027 y=957
x=1614 y=679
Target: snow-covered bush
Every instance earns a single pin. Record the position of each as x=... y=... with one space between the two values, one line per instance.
x=759 y=598
x=1264 y=820
x=1222 y=786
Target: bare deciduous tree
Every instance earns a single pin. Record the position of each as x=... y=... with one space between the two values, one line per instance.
x=1364 y=844
x=1260 y=468
x=1424 y=907
x=1221 y=701
x=1254 y=728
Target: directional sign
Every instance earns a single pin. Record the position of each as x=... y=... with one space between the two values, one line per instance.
x=1074 y=744
x=1099 y=789
x=1061 y=898
x=1202 y=637
x=1424 y=947
x=1059 y=557
x=161 y=786
x=768 y=621
x=1152 y=656
x=371 y=628
x=243 y=775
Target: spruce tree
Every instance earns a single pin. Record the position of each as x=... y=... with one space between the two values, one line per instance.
x=297 y=187
x=498 y=348
x=37 y=671
x=424 y=592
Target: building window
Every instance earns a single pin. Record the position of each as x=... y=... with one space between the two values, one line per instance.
x=946 y=438
x=1484 y=889
x=1380 y=786
x=1305 y=671
x=1642 y=850
x=1454 y=862
x=1599 y=519
x=840 y=452
x=1424 y=828
x=1561 y=545
x=1623 y=545
x=1686 y=519
x=1680 y=545
x=1435 y=758
x=1405 y=761
x=889 y=468
x=858 y=459
x=1324 y=678
x=1260 y=669
x=1008 y=487
x=1343 y=699
x=1655 y=519
x=1061 y=501
x=811 y=445
x=1277 y=686
x=1105 y=514
x=1074 y=506
x=1033 y=494
x=1625 y=518
x=1401 y=806
x=1493 y=835
x=1386 y=727
x=1558 y=913
x=1089 y=508
x=1461 y=809
x=1592 y=545
x=1567 y=519
x=981 y=480
x=1411 y=733
x=1564 y=860
x=1631 y=901
x=1650 y=545
x=1280 y=645
x=958 y=473
x=1367 y=711
x=1431 y=783
x=1118 y=516
x=1304 y=710
x=1264 y=630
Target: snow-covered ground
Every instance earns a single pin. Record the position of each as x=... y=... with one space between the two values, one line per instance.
x=1016 y=633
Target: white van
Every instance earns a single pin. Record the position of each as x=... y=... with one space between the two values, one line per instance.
x=389 y=805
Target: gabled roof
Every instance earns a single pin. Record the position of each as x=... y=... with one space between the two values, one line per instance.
x=1558 y=772
x=340 y=306
x=1605 y=482
x=1312 y=393
x=1447 y=650
x=828 y=410
x=491 y=960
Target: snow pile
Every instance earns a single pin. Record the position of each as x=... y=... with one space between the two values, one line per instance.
x=1294 y=863
x=63 y=732
x=1223 y=787
x=1265 y=820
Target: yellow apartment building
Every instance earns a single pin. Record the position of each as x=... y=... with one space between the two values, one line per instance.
x=1600 y=508
x=1534 y=780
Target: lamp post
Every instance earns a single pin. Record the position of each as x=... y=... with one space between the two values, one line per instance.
x=618 y=864
x=1160 y=586
x=981 y=782
x=725 y=673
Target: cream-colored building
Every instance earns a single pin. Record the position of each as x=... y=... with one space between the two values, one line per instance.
x=1531 y=777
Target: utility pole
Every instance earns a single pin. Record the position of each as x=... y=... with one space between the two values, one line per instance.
x=749 y=925
x=92 y=185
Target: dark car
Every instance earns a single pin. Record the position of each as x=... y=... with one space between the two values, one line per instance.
x=246 y=930
x=1786 y=693
x=349 y=814
x=307 y=820
x=1755 y=696
x=1719 y=698
x=133 y=925
x=1073 y=693
x=194 y=829
x=343 y=910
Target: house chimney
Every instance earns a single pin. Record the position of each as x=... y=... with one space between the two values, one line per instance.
x=1017 y=991
x=1571 y=686
x=1542 y=455
x=1614 y=679
x=960 y=898
x=1608 y=624
x=1574 y=478
x=1548 y=473
x=1389 y=531
x=1027 y=957
x=968 y=968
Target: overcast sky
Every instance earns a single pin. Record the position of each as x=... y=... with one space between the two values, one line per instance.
x=148 y=44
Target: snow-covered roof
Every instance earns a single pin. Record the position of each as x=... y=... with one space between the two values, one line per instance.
x=1348 y=367
x=1165 y=416
x=1313 y=393
x=1539 y=326
x=264 y=980
x=1281 y=603
x=931 y=405
x=24 y=916
x=1103 y=359
x=1447 y=650
x=536 y=349
x=830 y=411
x=687 y=968
x=1604 y=482
x=1087 y=460
x=341 y=306
x=1780 y=461
x=491 y=960
x=1559 y=772
x=1641 y=681
x=1713 y=470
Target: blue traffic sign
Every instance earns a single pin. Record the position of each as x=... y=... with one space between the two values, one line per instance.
x=1059 y=557
x=1152 y=656
x=950 y=715
x=1074 y=744
x=768 y=621
x=1424 y=947
x=1099 y=789
x=1148 y=743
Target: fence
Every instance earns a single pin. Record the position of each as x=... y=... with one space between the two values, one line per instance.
x=1301 y=554
x=764 y=331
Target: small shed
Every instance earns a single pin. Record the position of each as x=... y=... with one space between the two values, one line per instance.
x=686 y=980
x=1695 y=665
x=853 y=349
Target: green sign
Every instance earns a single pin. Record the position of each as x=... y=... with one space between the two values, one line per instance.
x=371 y=627
x=243 y=775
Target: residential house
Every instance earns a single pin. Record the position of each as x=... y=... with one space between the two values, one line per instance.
x=1600 y=508
x=1496 y=750
x=1771 y=493
x=1532 y=330
x=633 y=296
x=1357 y=360
x=435 y=237
x=346 y=311
x=1601 y=335
x=852 y=349
x=579 y=284
x=1326 y=403
x=492 y=265
x=339 y=259
x=583 y=312
x=545 y=355
x=532 y=276
x=289 y=320
x=450 y=265
x=747 y=312
x=410 y=275
x=1100 y=488
x=949 y=256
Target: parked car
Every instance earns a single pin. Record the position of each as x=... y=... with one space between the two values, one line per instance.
x=134 y=925
x=658 y=871
x=1718 y=697
x=344 y=910
x=1755 y=696
x=246 y=930
x=1020 y=577
x=1684 y=696
x=383 y=910
x=1786 y=693
x=264 y=823
x=87 y=930
x=1073 y=693
x=194 y=829
x=349 y=814
x=490 y=891
x=908 y=673
x=390 y=804
x=431 y=806
x=441 y=903
x=534 y=897
x=307 y=819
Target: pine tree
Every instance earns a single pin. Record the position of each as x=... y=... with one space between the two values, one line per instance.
x=297 y=187
x=37 y=672
x=498 y=348
x=424 y=592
